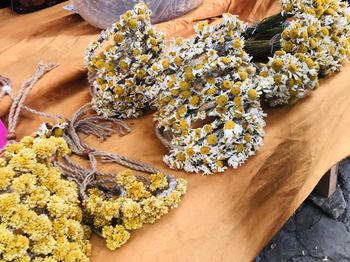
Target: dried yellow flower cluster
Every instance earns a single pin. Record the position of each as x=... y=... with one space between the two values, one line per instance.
x=210 y=78
x=318 y=37
x=40 y=214
x=131 y=204
x=126 y=70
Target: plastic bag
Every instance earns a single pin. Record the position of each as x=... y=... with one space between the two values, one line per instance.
x=102 y=13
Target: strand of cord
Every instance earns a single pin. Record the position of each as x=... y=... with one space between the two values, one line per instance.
x=90 y=125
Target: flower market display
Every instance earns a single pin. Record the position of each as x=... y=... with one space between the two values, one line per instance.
x=209 y=100
x=123 y=74
x=207 y=89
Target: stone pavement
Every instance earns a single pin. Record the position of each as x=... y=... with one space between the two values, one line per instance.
x=319 y=229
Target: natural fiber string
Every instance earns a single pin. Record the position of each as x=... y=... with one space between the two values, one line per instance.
x=78 y=124
x=18 y=101
x=88 y=125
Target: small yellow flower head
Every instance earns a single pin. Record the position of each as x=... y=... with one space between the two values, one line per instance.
x=113 y=215
x=115 y=236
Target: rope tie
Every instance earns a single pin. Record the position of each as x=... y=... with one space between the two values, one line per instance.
x=81 y=122
x=18 y=100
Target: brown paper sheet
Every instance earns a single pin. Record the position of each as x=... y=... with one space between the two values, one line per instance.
x=225 y=217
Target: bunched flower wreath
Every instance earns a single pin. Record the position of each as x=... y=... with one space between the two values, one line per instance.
x=209 y=100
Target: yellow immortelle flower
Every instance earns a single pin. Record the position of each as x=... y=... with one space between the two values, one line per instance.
x=6 y=176
x=115 y=236
x=44 y=149
x=158 y=182
x=8 y=201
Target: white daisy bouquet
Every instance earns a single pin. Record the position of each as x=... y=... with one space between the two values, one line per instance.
x=314 y=34
x=122 y=76
x=209 y=100
x=287 y=78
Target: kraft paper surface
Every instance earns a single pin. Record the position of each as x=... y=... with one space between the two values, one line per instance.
x=224 y=217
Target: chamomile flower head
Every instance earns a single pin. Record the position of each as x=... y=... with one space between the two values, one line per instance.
x=124 y=73
x=209 y=100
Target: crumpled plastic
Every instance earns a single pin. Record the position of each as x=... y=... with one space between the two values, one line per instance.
x=102 y=13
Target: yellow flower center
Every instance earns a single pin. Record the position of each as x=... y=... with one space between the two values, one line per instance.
x=194 y=100
x=230 y=124
x=205 y=150
x=277 y=64
x=177 y=61
x=118 y=37
x=252 y=94
x=118 y=90
x=132 y=23
x=212 y=139
x=226 y=84
x=222 y=100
